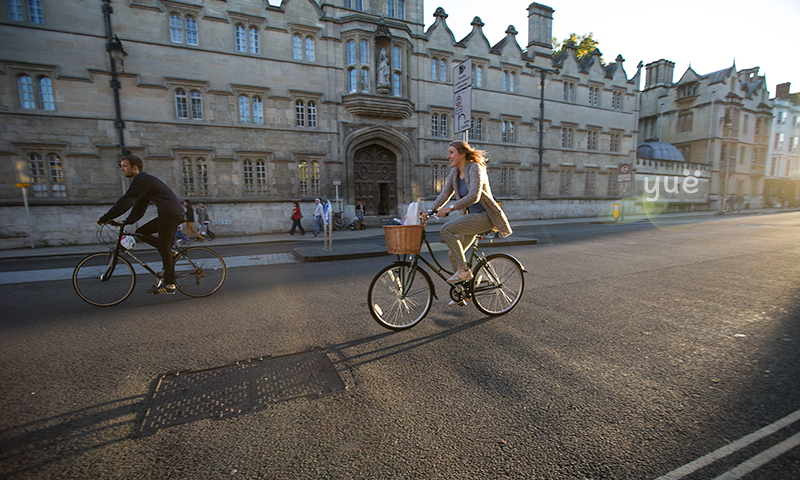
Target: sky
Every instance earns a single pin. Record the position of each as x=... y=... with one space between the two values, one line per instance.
x=708 y=35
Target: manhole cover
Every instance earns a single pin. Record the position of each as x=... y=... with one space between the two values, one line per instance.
x=244 y=387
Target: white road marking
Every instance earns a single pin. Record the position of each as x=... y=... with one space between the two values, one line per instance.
x=762 y=458
x=743 y=442
x=47 y=275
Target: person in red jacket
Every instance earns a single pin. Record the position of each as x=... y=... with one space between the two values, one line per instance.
x=146 y=188
x=296 y=216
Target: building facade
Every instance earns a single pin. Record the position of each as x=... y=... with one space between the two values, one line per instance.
x=247 y=106
x=782 y=180
x=720 y=122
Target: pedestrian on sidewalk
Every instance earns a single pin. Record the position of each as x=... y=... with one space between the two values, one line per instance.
x=203 y=222
x=189 y=225
x=469 y=183
x=296 y=216
x=319 y=212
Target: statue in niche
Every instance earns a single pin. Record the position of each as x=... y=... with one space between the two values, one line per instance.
x=383 y=69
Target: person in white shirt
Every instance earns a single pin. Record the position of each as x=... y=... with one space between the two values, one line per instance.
x=319 y=212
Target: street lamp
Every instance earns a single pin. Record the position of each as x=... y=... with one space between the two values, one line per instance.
x=116 y=54
x=542 y=72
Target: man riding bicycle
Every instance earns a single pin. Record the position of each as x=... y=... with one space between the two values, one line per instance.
x=146 y=188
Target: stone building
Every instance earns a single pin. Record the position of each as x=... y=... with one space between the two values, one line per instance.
x=720 y=123
x=247 y=106
x=782 y=179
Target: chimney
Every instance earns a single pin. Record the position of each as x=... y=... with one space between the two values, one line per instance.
x=659 y=74
x=782 y=90
x=540 y=28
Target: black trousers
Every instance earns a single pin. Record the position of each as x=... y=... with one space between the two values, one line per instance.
x=296 y=224
x=165 y=226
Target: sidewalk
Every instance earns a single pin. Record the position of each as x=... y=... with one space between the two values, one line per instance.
x=312 y=249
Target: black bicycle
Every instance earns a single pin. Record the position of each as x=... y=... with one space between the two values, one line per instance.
x=401 y=294
x=108 y=278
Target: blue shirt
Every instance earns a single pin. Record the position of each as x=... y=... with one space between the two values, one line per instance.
x=463 y=191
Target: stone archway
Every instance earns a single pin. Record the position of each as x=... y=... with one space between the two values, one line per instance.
x=375 y=176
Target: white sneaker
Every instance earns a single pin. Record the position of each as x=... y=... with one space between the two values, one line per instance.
x=460 y=276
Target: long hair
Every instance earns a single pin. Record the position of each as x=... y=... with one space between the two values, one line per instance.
x=471 y=154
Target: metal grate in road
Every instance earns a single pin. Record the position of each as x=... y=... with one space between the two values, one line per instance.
x=244 y=387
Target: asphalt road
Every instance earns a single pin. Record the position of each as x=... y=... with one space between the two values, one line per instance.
x=669 y=350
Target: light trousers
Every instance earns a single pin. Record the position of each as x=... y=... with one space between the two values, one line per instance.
x=459 y=234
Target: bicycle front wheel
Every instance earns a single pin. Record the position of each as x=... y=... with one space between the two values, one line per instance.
x=497 y=284
x=87 y=279
x=399 y=299
x=199 y=271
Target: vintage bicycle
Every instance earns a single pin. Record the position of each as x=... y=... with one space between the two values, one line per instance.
x=401 y=294
x=108 y=278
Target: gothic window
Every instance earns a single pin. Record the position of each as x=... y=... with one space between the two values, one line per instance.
x=196 y=100
x=255 y=41
x=194 y=173
x=443 y=126
x=247 y=40
x=181 y=106
x=363 y=51
x=183 y=29
x=354 y=4
x=435 y=125
x=591 y=140
x=352 y=86
x=442 y=71
x=565 y=182
x=244 y=109
x=477 y=78
x=569 y=90
x=351 y=52
x=297 y=47
x=438 y=69
x=439 y=172
x=364 y=79
x=396 y=87
x=566 y=137
x=18 y=13
x=505 y=131
x=613 y=184
x=476 y=129
x=507 y=180
x=590 y=183
x=685 y=122
x=508 y=80
x=614 y=146
x=258 y=110
x=434 y=68
x=308 y=175
x=312 y=114
x=241 y=39
x=594 y=94
x=46 y=175
x=255 y=177
x=616 y=101
x=36 y=95
x=300 y=113
x=310 y=49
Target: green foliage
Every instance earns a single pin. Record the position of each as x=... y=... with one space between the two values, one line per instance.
x=584 y=45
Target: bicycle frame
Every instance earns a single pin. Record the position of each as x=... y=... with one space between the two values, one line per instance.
x=442 y=272
x=119 y=248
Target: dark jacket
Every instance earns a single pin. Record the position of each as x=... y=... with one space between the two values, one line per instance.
x=144 y=189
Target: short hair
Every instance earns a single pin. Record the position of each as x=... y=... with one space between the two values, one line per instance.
x=134 y=161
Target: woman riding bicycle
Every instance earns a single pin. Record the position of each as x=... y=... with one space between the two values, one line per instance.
x=469 y=183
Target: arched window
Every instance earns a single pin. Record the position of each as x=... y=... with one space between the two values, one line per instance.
x=297 y=47
x=434 y=68
x=312 y=114
x=255 y=44
x=351 y=52
x=197 y=105
x=57 y=186
x=181 y=107
x=27 y=99
x=310 y=55
x=261 y=177
x=442 y=71
x=478 y=76
x=364 y=79
x=241 y=39
x=396 y=87
x=176 y=28
x=46 y=98
x=443 y=124
x=364 y=52
x=187 y=172
x=397 y=63
x=300 y=113
x=258 y=110
x=302 y=175
x=38 y=180
x=247 y=177
x=244 y=109
x=191 y=30
x=351 y=80
x=435 y=125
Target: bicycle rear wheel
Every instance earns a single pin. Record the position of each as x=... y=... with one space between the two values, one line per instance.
x=199 y=271
x=498 y=284
x=90 y=286
x=397 y=300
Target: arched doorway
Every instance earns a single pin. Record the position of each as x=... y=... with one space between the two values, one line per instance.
x=375 y=176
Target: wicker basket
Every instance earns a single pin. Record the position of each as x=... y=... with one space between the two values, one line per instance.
x=403 y=239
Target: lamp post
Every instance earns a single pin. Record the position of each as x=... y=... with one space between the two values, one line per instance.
x=115 y=54
x=542 y=72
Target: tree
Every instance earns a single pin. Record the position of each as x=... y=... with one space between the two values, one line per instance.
x=584 y=45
